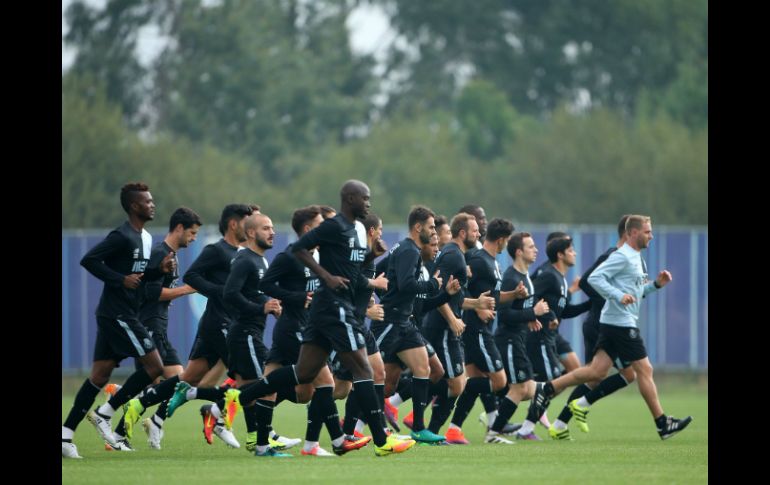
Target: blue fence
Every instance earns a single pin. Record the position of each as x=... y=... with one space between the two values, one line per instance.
x=674 y=322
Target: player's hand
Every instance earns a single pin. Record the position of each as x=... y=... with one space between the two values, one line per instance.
x=452 y=285
x=553 y=324
x=308 y=299
x=380 y=282
x=132 y=280
x=521 y=291
x=541 y=308
x=375 y=312
x=457 y=326
x=575 y=286
x=664 y=278
x=438 y=278
x=337 y=282
x=627 y=299
x=168 y=264
x=486 y=316
x=273 y=306
x=534 y=325
x=485 y=302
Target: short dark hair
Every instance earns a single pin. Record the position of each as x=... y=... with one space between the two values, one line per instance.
x=184 y=216
x=128 y=194
x=419 y=214
x=622 y=225
x=498 y=228
x=516 y=242
x=441 y=221
x=554 y=235
x=370 y=221
x=327 y=210
x=460 y=223
x=233 y=211
x=556 y=246
x=472 y=209
x=255 y=207
x=303 y=216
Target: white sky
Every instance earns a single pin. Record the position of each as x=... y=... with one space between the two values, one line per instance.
x=369 y=26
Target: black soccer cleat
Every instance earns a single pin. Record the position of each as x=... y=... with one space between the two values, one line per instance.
x=673 y=426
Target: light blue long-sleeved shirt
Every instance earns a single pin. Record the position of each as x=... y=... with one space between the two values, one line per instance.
x=622 y=273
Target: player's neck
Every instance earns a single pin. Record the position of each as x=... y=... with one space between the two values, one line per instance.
x=231 y=239
x=521 y=266
x=252 y=244
x=136 y=222
x=490 y=248
x=460 y=244
x=170 y=242
x=561 y=267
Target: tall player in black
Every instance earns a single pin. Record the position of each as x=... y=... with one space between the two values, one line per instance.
x=207 y=275
x=120 y=260
x=483 y=363
x=183 y=229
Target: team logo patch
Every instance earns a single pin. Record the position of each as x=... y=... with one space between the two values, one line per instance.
x=458 y=368
x=633 y=333
x=147 y=344
x=521 y=375
x=360 y=339
x=498 y=364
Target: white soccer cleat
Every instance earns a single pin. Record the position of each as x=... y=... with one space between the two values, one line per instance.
x=69 y=450
x=317 y=451
x=154 y=434
x=123 y=445
x=226 y=435
x=283 y=443
x=493 y=437
x=103 y=427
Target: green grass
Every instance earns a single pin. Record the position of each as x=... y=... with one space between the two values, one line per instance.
x=623 y=447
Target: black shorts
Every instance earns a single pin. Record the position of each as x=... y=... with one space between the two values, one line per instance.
x=545 y=362
x=624 y=345
x=563 y=346
x=334 y=326
x=513 y=347
x=210 y=344
x=449 y=349
x=118 y=338
x=396 y=337
x=481 y=351
x=247 y=352
x=342 y=372
x=590 y=337
x=287 y=339
x=156 y=327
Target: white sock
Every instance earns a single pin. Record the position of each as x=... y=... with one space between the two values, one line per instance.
x=106 y=410
x=157 y=420
x=559 y=425
x=339 y=441
x=309 y=445
x=215 y=411
x=526 y=428
x=544 y=420
x=192 y=393
x=360 y=426
x=273 y=434
x=66 y=433
x=491 y=417
x=453 y=426
x=583 y=402
x=262 y=448
x=395 y=400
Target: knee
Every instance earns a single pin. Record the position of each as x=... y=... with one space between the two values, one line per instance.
x=341 y=389
x=304 y=394
x=456 y=386
x=99 y=379
x=498 y=381
x=378 y=373
x=628 y=374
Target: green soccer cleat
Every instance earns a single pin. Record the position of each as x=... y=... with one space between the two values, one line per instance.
x=179 y=397
x=393 y=445
x=232 y=405
x=580 y=414
x=559 y=434
x=270 y=452
x=427 y=436
x=132 y=416
x=251 y=442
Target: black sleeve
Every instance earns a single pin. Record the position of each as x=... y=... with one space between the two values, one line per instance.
x=208 y=259
x=545 y=288
x=435 y=301
x=571 y=311
x=93 y=260
x=269 y=284
x=450 y=264
x=507 y=315
x=326 y=232
x=584 y=285
x=481 y=280
x=240 y=271
x=154 y=287
x=405 y=274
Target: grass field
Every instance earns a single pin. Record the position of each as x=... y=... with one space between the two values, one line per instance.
x=622 y=447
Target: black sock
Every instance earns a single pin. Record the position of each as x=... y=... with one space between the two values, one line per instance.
x=288 y=393
x=121 y=428
x=83 y=400
x=315 y=419
x=660 y=422
x=404 y=388
x=250 y=416
x=577 y=393
x=420 y=393
x=213 y=394
x=134 y=384
x=279 y=378
x=548 y=390
x=328 y=411
x=379 y=389
x=352 y=412
x=474 y=387
x=438 y=389
x=367 y=401
x=264 y=415
x=507 y=408
x=489 y=400
x=159 y=393
x=606 y=387
x=161 y=412
x=442 y=409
